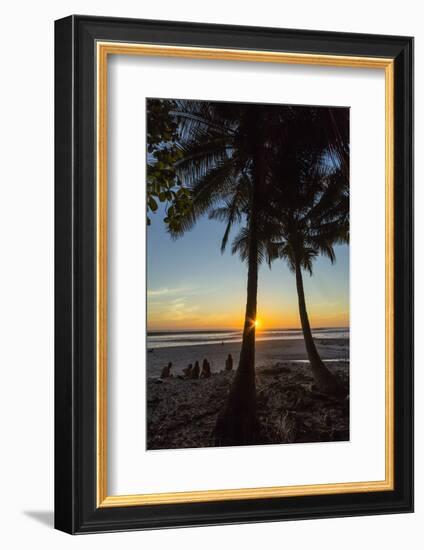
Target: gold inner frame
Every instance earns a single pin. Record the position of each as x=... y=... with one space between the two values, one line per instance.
x=103 y=50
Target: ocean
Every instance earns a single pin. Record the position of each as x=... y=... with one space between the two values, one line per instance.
x=170 y=339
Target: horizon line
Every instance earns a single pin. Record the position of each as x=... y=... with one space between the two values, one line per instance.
x=240 y=329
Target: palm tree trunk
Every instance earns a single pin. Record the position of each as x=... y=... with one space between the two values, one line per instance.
x=237 y=423
x=324 y=379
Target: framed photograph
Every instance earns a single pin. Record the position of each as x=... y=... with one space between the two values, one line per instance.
x=234 y=274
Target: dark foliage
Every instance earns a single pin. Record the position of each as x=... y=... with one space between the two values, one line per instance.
x=278 y=175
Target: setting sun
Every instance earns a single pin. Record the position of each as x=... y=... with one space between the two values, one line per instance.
x=215 y=317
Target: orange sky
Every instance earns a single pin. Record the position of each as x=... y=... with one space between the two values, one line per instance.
x=179 y=316
x=191 y=285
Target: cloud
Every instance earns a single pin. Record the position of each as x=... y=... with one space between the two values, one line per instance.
x=180 y=308
x=176 y=305
x=164 y=292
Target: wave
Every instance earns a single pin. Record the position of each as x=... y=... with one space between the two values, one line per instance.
x=167 y=339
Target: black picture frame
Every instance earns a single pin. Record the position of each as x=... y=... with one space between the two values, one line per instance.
x=76 y=510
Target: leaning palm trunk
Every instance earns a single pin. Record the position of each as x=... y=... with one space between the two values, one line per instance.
x=324 y=379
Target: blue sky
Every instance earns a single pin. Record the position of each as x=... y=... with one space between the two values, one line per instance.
x=191 y=285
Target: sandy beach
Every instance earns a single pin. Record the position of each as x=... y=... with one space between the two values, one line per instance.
x=182 y=413
x=268 y=352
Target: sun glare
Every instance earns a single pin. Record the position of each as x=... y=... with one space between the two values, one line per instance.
x=257 y=323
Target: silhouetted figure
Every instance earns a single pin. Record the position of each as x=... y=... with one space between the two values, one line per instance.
x=188 y=371
x=196 y=370
x=206 y=369
x=166 y=371
x=229 y=362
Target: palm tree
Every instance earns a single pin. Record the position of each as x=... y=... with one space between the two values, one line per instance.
x=225 y=152
x=237 y=423
x=311 y=215
x=223 y=164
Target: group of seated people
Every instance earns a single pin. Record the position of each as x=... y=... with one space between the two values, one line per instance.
x=194 y=372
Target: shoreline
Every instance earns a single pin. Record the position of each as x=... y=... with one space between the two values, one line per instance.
x=268 y=352
x=160 y=340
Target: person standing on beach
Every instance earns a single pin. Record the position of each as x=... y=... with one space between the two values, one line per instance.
x=166 y=371
x=229 y=362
